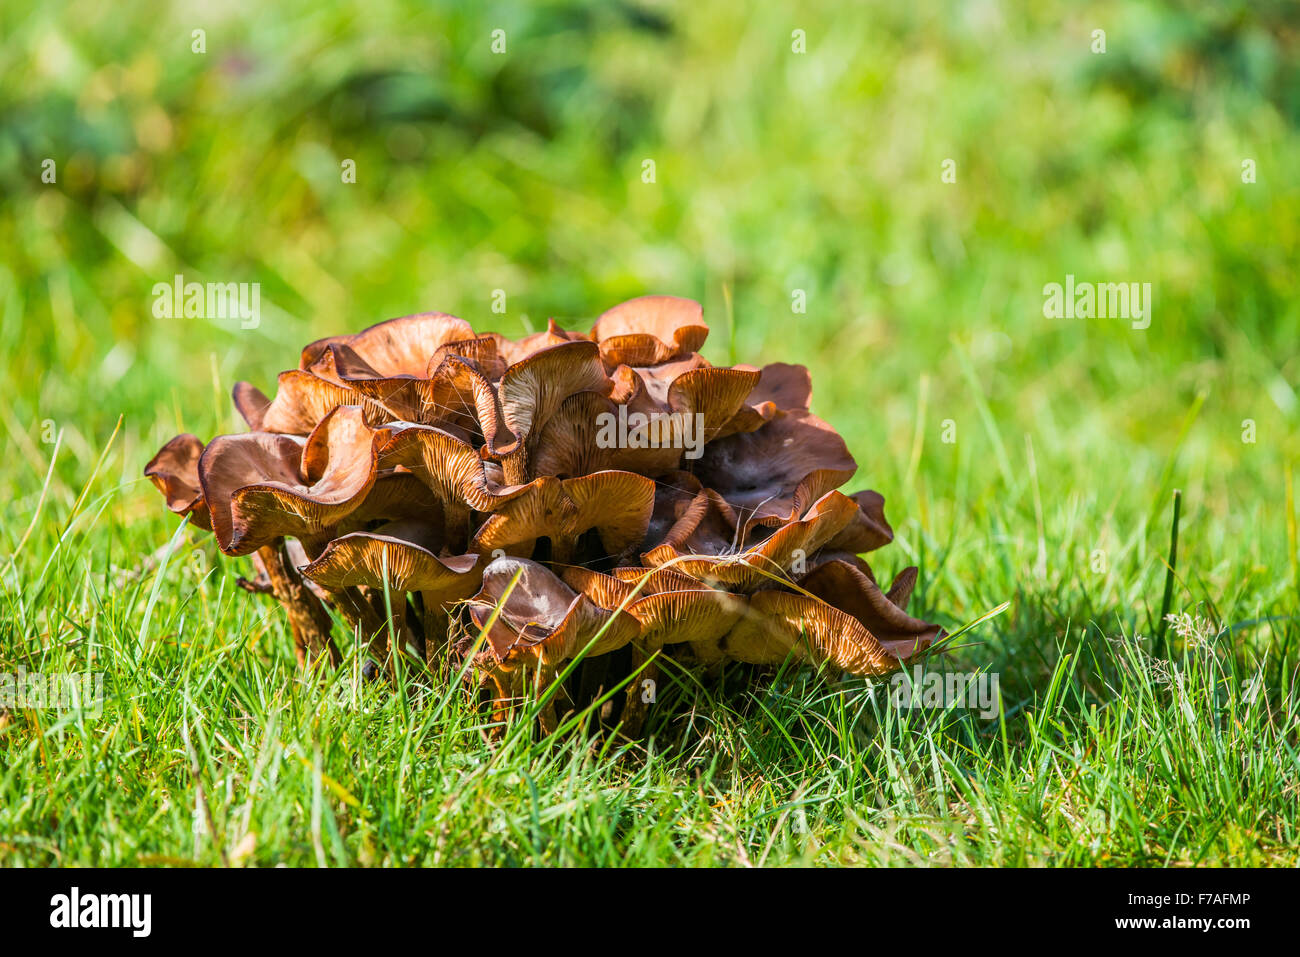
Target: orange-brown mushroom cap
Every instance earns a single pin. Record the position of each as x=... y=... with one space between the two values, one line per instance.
x=780 y=623
x=174 y=471
x=261 y=486
x=774 y=557
x=533 y=389
x=616 y=504
x=650 y=330
x=401 y=555
x=400 y=346
x=668 y=616
x=884 y=615
x=541 y=620
x=869 y=529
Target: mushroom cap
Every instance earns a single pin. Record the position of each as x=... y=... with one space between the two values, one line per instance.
x=885 y=616
x=400 y=346
x=570 y=443
x=668 y=419
x=401 y=555
x=650 y=330
x=449 y=466
x=515 y=350
x=261 y=486
x=756 y=564
x=616 y=504
x=869 y=529
x=541 y=620
x=396 y=495
x=532 y=389
x=303 y=399
x=174 y=471
x=251 y=404
x=780 y=624
x=770 y=476
x=782 y=387
x=670 y=616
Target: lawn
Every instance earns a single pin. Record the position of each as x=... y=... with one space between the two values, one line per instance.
x=885 y=207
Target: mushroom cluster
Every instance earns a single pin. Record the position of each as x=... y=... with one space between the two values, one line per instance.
x=611 y=497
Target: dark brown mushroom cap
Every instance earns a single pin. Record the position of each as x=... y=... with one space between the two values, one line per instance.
x=845 y=586
x=757 y=564
x=261 y=486
x=784 y=386
x=401 y=555
x=650 y=330
x=869 y=529
x=516 y=350
x=251 y=404
x=667 y=617
x=676 y=495
x=400 y=346
x=616 y=504
x=705 y=525
x=174 y=471
x=541 y=620
x=532 y=389
x=781 y=623
x=781 y=387
x=773 y=474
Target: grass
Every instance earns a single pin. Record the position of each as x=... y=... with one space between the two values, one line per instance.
x=775 y=172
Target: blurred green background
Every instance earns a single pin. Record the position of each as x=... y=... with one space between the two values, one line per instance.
x=775 y=171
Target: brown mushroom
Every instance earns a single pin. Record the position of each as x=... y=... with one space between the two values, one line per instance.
x=396 y=346
x=174 y=471
x=393 y=559
x=391 y=459
x=650 y=330
x=531 y=623
x=616 y=504
x=261 y=486
x=848 y=588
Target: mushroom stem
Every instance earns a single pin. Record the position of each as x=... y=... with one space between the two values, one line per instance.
x=500 y=696
x=458 y=524
x=562 y=549
x=361 y=614
x=547 y=715
x=398 y=635
x=639 y=694
x=308 y=619
x=515 y=466
x=436 y=626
